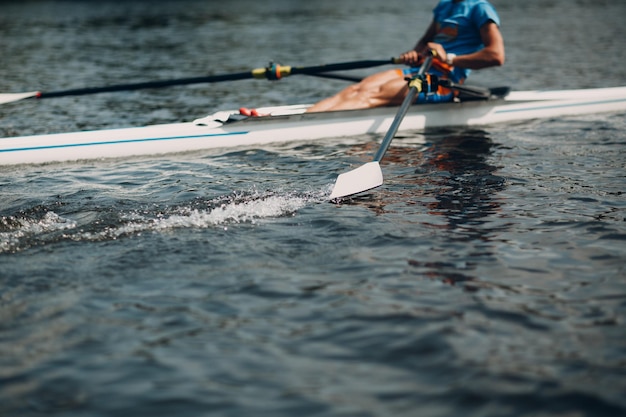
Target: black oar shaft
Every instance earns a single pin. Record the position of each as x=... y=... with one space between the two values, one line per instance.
x=145 y=85
x=338 y=77
x=404 y=108
x=267 y=73
x=342 y=66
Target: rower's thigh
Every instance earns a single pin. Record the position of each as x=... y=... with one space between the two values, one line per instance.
x=381 y=78
x=393 y=91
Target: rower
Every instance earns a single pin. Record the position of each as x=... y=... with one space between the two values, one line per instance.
x=465 y=34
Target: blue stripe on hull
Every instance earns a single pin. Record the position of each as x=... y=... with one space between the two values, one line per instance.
x=118 y=142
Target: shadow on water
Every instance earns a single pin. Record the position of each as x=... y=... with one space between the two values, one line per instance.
x=453 y=182
x=461 y=182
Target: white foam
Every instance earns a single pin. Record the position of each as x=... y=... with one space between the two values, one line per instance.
x=238 y=210
x=24 y=228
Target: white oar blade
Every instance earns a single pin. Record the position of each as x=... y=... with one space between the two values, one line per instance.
x=10 y=97
x=361 y=179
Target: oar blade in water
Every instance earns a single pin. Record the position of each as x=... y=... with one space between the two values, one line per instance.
x=361 y=179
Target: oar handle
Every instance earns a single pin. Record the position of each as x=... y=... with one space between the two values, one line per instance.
x=415 y=87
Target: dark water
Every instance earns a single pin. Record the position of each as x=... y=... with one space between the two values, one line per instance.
x=485 y=278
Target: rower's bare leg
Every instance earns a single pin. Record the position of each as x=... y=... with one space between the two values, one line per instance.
x=380 y=89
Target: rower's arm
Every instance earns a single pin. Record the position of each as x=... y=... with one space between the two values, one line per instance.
x=491 y=55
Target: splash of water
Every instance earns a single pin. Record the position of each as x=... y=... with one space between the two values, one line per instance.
x=15 y=230
x=26 y=230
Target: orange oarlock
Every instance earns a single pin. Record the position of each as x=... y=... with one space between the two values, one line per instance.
x=442 y=66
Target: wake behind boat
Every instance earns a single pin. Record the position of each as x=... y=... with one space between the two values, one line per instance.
x=227 y=129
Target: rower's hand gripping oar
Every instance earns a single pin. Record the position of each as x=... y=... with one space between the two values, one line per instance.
x=272 y=72
x=370 y=175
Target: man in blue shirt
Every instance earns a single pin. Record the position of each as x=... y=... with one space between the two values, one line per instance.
x=465 y=35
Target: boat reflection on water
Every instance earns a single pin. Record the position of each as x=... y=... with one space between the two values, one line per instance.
x=452 y=179
x=462 y=180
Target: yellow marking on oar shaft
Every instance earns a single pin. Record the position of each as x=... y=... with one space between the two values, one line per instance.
x=259 y=73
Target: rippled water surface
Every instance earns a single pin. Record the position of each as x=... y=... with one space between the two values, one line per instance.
x=485 y=278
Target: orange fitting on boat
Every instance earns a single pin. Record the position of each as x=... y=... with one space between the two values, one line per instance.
x=439 y=64
x=276 y=72
x=442 y=66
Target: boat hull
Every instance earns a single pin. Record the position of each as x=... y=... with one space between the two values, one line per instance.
x=290 y=123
